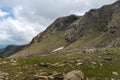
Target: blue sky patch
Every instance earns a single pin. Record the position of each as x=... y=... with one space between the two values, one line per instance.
x=9 y=12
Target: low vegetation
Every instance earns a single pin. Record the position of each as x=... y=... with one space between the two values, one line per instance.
x=100 y=64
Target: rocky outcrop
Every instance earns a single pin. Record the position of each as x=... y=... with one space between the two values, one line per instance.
x=95 y=19
x=60 y=24
x=74 y=75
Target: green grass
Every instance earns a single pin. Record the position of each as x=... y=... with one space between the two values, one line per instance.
x=91 y=71
x=88 y=41
x=45 y=46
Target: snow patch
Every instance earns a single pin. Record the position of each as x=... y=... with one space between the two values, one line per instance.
x=58 y=49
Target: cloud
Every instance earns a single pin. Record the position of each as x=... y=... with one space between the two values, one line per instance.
x=2 y=13
x=18 y=30
x=51 y=9
x=4 y=36
x=21 y=20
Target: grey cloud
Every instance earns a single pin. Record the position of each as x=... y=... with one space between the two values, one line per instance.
x=51 y=9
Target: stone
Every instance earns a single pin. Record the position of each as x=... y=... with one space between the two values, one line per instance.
x=74 y=75
x=50 y=77
x=7 y=78
x=43 y=64
x=13 y=64
x=41 y=77
x=78 y=60
x=4 y=62
x=93 y=62
x=61 y=65
x=71 y=61
x=56 y=64
x=55 y=75
x=79 y=64
x=35 y=65
x=13 y=61
x=115 y=73
x=101 y=64
x=90 y=51
x=20 y=73
x=108 y=59
x=58 y=76
x=3 y=75
x=112 y=79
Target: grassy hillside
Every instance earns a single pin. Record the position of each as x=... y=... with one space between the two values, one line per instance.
x=99 y=65
x=50 y=39
x=44 y=47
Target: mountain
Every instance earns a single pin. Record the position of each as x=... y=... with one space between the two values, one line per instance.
x=103 y=22
x=53 y=37
x=1 y=50
x=98 y=28
x=10 y=50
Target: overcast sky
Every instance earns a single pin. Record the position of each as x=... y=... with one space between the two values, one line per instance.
x=21 y=20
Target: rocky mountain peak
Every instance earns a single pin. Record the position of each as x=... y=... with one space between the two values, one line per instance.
x=96 y=20
x=60 y=24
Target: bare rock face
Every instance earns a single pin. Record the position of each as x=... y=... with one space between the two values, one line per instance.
x=60 y=24
x=74 y=75
x=104 y=20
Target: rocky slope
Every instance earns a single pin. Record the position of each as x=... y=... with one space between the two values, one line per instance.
x=53 y=37
x=105 y=20
x=98 y=28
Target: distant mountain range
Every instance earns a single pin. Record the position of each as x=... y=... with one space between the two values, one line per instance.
x=98 y=28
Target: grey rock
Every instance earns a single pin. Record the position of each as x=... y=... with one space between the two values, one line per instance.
x=93 y=62
x=3 y=75
x=79 y=64
x=43 y=64
x=43 y=78
x=74 y=75
x=61 y=65
x=115 y=73
x=55 y=75
x=108 y=59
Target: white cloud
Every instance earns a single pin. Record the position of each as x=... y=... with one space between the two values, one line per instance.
x=4 y=36
x=18 y=30
x=2 y=14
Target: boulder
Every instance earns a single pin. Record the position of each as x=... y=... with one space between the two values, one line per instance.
x=56 y=76
x=114 y=73
x=74 y=75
